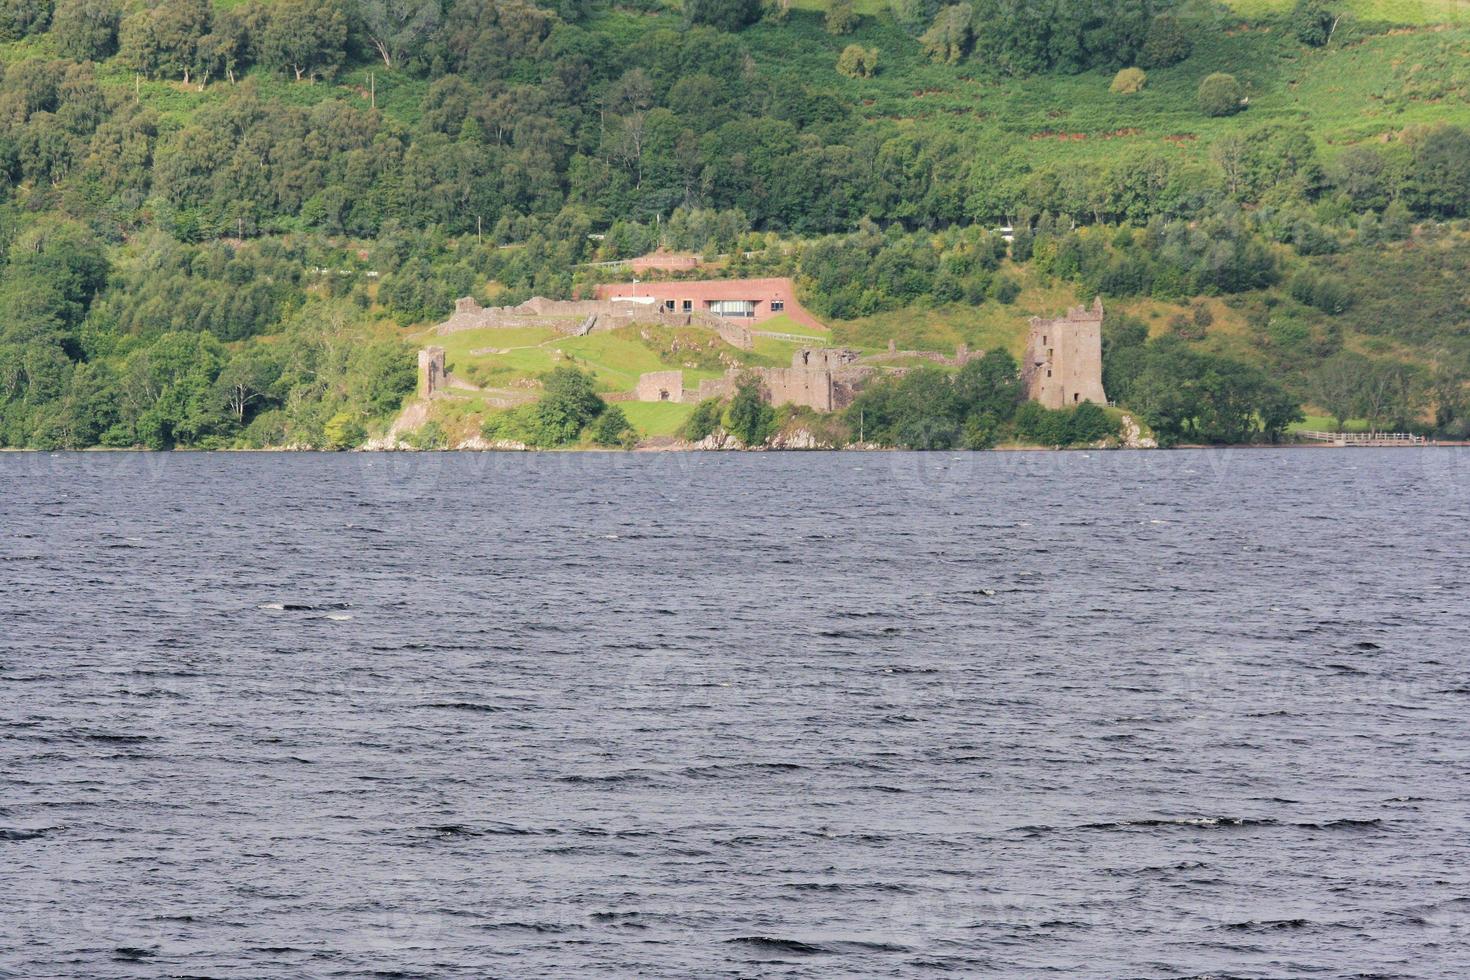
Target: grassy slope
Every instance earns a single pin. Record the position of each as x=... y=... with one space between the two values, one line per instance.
x=1374 y=85
x=656 y=418
x=617 y=358
x=1395 y=11
x=1391 y=11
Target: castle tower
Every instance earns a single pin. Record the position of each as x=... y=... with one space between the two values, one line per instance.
x=1063 y=364
x=432 y=373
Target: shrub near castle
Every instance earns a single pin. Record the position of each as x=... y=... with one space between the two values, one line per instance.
x=974 y=408
x=569 y=405
x=612 y=429
x=749 y=418
x=706 y=418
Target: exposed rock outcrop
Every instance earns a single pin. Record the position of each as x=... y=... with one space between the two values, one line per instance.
x=1133 y=437
x=799 y=439
x=719 y=440
x=479 y=444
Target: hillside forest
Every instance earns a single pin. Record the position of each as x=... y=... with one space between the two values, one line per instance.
x=227 y=224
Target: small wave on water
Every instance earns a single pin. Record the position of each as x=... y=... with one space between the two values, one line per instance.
x=1216 y=823
x=24 y=833
x=471 y=706
x=774 y=944
x=1267 y=925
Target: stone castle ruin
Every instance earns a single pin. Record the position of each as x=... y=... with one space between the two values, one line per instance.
x=661 y=386
x=1063 y=362
x=1062 y=367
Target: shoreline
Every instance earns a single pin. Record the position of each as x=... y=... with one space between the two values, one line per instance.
x=645 y=450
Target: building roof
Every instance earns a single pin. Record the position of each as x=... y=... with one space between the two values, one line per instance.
x=703 y=289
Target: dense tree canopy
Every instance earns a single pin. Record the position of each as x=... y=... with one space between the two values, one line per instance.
x=1066 y=35
x=85 y=30
x=727 y=15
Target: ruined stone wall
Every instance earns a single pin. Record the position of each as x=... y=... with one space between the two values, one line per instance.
x=579 y=317
x=825 y=380
x=541 y=306
x=731 y=332
x=798 y=386
x=1063 y=362
x=847 y=384
x=824 y=358
x=962 y=356
x=661 y=386
x=562 y=315
x=716 y=388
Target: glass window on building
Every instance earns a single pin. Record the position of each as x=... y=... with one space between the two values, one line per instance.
x=777 y=305
x=741 y=308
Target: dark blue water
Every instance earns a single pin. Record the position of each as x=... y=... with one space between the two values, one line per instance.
x=1103 y=715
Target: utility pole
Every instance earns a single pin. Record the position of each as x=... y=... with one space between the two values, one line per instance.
x=479 y=228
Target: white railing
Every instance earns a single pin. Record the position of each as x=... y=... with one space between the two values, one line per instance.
x=797 y=338
x=1365 y=438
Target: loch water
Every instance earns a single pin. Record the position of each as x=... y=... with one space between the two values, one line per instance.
x=1104 y=714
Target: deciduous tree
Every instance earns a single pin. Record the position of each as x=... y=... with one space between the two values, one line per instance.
x=841 y=17
x=749 y=418
x=1312 y=22
x=948 y=38
x=397 y=27
x=85 y=30
x=1439 y=180
x=308 y=37
x=1166 y=44
x=727 y=15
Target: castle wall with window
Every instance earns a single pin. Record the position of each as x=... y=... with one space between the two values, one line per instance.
x=1063 y=363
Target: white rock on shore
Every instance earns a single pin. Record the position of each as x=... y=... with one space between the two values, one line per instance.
x=1133 y=437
